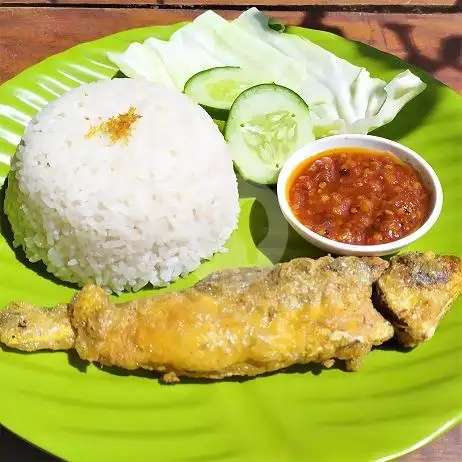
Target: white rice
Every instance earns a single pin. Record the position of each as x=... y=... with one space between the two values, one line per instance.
x=122 y=215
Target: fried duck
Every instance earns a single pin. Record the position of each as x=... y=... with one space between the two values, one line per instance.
x=416 y=291
x=241 y=322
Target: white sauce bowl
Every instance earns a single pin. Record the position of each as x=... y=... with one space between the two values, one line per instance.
x=425 y=171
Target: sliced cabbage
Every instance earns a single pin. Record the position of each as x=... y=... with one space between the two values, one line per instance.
x=184 y=56
x=343 y=98
x=139 y=60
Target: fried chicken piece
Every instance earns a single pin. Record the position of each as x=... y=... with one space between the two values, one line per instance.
x=237 y=322
x=415 y=293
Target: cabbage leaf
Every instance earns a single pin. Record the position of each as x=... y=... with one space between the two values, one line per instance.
x=343 y=98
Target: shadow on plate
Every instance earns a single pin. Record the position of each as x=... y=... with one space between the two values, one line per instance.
x=393 y=345
x=7 y=233
x=270 y=231
x=76 y=361
x=81 y=365
x=313 y=368
x=301 y=369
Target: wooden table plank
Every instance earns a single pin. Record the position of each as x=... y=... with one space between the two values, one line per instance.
x=432 y=42
x=405 y=3
x=281 y=3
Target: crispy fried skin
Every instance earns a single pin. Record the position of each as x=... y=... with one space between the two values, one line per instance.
x=235 y=322
x=415 y=293
x=29 y=328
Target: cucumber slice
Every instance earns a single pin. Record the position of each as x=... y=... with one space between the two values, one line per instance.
x=266 y=125
x=216 y=89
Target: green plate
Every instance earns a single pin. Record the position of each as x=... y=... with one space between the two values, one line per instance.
x=397 y=402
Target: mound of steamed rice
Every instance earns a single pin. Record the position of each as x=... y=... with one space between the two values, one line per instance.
x=124 y=213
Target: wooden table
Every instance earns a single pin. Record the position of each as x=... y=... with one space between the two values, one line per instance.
x=427 y=33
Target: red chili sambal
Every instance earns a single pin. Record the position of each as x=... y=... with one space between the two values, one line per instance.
x=358 y=196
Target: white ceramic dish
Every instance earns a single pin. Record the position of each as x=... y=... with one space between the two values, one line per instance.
x=425 y=171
